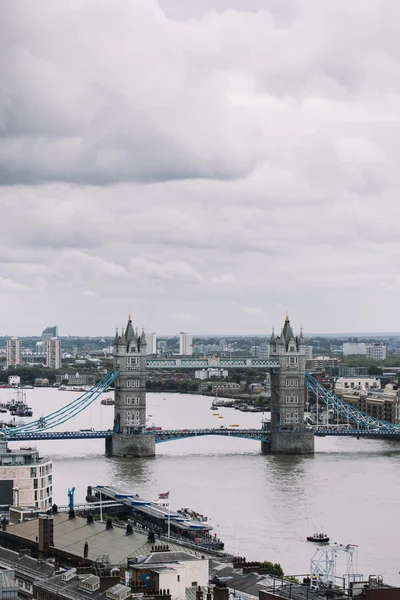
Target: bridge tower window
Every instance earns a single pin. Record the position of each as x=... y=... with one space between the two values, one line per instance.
x=133 y=383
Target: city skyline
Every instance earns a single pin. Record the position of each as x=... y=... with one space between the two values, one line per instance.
x=207 y=167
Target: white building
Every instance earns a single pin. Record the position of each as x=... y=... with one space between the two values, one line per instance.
x=53 y=353
x=309 y=352
x=179 y=572
x=376 y=351
x=354 y=348
x=13 y=352
x=153 y=343
x=210 y=373
x=344 y=384
x=185 y=344
x=14 y=380
x=25 y=477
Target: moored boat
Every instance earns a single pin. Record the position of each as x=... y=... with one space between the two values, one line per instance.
x=321 y=538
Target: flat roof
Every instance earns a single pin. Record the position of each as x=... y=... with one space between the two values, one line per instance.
x=71 y=535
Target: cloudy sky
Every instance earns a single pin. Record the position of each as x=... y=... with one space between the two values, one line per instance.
x=206 y=165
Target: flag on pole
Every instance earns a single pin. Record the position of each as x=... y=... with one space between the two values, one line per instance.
x=163 y=496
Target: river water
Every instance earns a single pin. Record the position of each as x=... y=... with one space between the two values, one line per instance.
x=262 y=507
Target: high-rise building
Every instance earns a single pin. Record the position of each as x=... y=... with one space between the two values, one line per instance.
x=13 y=352
x=376 y=351
x=354 y=348
x=185 y=344
x=309 y=351
x=53 y=353
x=153 y=343
x=50 y=332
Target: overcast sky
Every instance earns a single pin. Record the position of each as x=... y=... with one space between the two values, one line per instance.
x=206 y=165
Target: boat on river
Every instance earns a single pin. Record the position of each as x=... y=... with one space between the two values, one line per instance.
x=107 y=401
x=320 y=538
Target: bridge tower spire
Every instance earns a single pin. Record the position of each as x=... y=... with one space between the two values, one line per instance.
x=288 y=433
x=130 y=437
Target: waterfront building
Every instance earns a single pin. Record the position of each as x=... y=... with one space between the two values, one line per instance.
x=50 y=332
x=13 y=352
x=25 y=477
x=14 y=380
x=354 y=348
x=185 y=344
x=376 y=351
x=53 y=353
x=380 y=403
x=204 y=374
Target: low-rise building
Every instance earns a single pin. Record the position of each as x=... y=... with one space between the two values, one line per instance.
x=343 y=384
x=320 y=363
x=350 y=348
x=211 y=373
x=176 y=571
x=382 y=404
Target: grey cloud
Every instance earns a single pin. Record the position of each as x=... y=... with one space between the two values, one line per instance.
x=223 y=160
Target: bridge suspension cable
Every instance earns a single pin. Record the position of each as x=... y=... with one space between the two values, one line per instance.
x=66 y=412
x=351 y=414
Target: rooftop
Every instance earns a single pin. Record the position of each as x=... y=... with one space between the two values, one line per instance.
x=71 y=535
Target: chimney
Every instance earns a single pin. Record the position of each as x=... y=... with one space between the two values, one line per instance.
x=221 y=592
x=199 y=593
x=46 y=533
x=86 y=550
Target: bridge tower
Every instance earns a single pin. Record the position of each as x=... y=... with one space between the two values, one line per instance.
x=130 y=358
x=288 y=433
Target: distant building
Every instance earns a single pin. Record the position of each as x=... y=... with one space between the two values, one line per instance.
x=320 y=363
x=40 y=347
x=255 y=351
x=25 y=478
x=345 y=371
x=210 y=373
x=185 y=344
x=162 y=347
x=53 y=353
x=264 y=351
x=344 y=384
x=309 y=352
x=50 y=332
x=13 y=352
x=153 y=343
x=39 y=381
x=376 y=351
x=380 y=403
x=14 y=380
x=354 y=348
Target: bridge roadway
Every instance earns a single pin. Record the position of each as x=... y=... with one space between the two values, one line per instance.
x=166 y=435
x=214 y=362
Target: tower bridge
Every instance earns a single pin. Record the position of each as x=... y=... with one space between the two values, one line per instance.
x=286 y=433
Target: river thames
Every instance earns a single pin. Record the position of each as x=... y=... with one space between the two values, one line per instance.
x=262 y=507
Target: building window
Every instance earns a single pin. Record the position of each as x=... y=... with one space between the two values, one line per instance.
x=35 y=484
x=292 y=382
x=292 y=399
x=33 y=471
x=133 y=401
x=133 y=383
x=178 y=577
x=132 y=363
x=194 y=583
x=291 y=361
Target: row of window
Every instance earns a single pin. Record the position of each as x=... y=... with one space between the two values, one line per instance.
x=292 y=416
x=292 y=399
x=132 y=401
x=292 y=382
x=132 y=363
x=133 y=418
x=133 y=383
x=292 y=360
